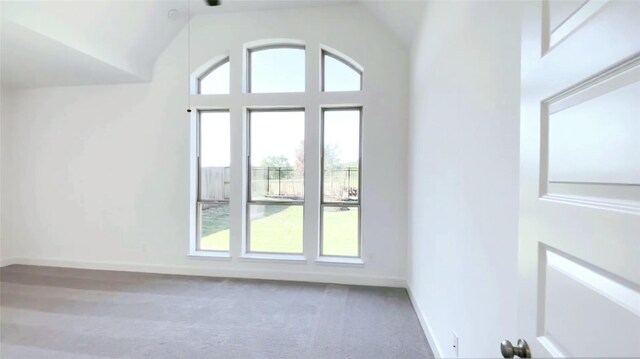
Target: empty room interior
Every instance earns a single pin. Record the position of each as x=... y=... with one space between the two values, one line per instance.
x=320 y=179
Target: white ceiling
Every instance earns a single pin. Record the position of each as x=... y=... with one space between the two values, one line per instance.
x=48 y=43
x=402 y=17
x=61 y=43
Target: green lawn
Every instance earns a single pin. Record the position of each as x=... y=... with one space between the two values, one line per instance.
x=280 y=231
x=340 y=231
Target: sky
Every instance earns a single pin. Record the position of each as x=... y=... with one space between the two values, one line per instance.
x=282 y=70
x=216 y=82
x=276 y=134
x=279 y=133
x=339 y=77
x=215 y=136
x=277 y=70
x=342 y=130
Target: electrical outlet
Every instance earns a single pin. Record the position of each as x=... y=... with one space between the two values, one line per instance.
x=455 y=344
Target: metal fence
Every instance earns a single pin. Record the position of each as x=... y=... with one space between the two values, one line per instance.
x=279 y=182
x=341 y=183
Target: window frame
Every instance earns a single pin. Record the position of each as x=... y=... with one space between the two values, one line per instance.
x=325 y=52
x=211 y=69
x=324 y=204
x=251 y=50
x=249 y=201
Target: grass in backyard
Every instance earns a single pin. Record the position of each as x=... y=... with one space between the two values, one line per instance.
x=280 y=231
x=276 y=229
x=340 y=231
x=214 y=227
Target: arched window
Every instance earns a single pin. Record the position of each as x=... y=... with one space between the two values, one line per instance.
x=278 y=68
x=269 y=183
x=215 y=81
x=339 y=74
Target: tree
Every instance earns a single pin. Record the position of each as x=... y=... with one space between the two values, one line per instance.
x=299 y=166
x=275 y=163
x=331 y=157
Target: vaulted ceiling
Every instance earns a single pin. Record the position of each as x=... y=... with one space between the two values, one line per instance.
x=61 y=43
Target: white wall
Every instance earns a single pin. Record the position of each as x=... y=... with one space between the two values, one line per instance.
x=99 y=175
x=6 y=250
x=463 y=174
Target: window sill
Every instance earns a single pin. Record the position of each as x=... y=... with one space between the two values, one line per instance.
x=340 y=260
x=273 y=257
x=210 y=254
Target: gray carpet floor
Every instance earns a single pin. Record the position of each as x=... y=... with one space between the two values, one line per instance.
x=72 y=313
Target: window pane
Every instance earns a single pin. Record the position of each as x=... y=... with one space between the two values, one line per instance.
x=214 y=226
x=215 y=158
x=277 y=155
x=341 y=156
x=338 y=76
x=340 y=231
x=277 y=70
x=275 y=228
x=214 y=184
x=216 y=81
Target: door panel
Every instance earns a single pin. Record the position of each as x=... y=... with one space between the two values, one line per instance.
x=592 y=141
x=579 y=292
x=560 y=11
x=590 y=148
x=584 y=307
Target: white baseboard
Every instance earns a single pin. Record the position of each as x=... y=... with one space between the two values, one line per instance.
x=216 y=272
x=8 y=261
x=437 y=352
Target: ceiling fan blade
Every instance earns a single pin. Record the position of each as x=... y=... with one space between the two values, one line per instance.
x=212 y=2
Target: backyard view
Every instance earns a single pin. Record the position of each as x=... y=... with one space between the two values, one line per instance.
x=275 y=206
x=340 y=229
x=276 y=182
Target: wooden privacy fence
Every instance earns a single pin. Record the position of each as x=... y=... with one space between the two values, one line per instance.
x=214 y=183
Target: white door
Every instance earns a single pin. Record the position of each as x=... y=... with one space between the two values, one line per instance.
x=579 y=287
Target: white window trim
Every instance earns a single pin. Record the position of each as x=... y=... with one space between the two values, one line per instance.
x=206 y=68
x=268 y=257
x=340 y=260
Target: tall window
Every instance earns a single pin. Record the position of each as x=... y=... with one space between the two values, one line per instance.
x=276 y=181
x=214 y=165
x=270 y=217
x=340 y=208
